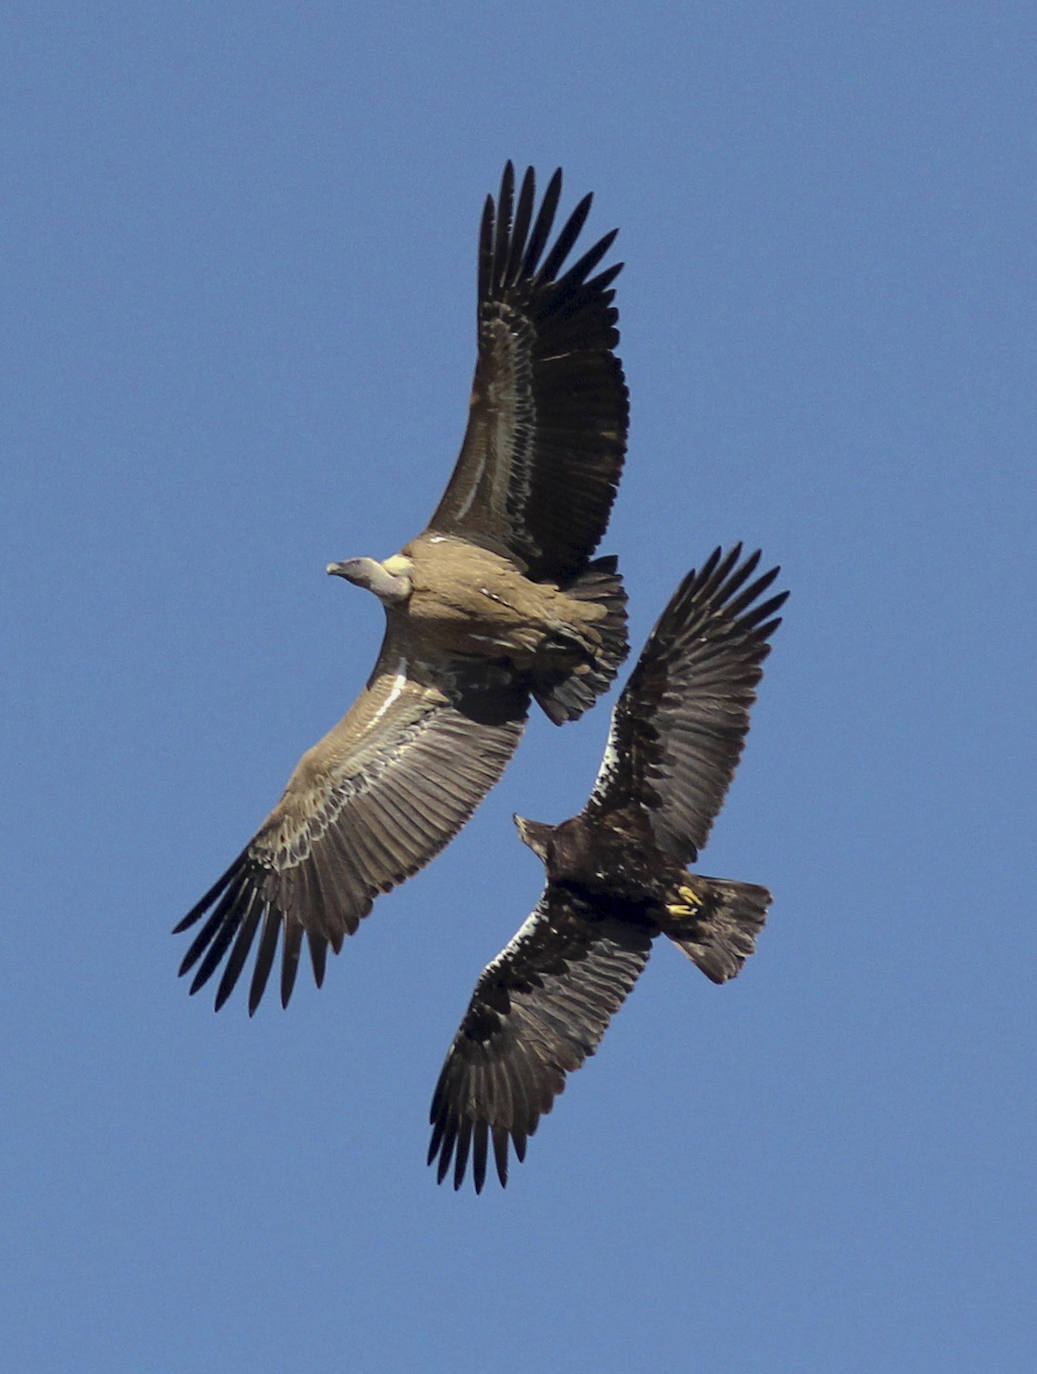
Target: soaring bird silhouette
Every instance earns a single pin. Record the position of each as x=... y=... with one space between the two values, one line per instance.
x=616 y=873
x=494 y=602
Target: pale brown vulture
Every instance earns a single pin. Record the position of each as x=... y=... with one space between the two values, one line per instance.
x=616 y=875
x=495 y=601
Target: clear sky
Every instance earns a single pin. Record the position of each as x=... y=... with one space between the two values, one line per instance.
x=238 y=248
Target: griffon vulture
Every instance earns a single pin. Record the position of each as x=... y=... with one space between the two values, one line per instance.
x=616 y=875
x=495 y=601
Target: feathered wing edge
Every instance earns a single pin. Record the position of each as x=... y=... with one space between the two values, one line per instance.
x=538 y=1011
x=546 y=438
x=679 y=726
x=365 y=808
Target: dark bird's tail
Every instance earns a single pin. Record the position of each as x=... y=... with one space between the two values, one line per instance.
x=715 y=922
x=564 y=694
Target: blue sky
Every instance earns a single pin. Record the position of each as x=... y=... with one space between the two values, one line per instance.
x=239 y=259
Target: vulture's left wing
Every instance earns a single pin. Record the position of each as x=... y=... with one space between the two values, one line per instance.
x=679 y=727
x=366 y=807
x=547 y=425
x=539 y=1009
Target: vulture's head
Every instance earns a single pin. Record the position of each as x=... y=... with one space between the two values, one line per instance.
x=390 y=581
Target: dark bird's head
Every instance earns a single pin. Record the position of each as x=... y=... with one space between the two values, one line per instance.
x=390 y=581
x=536 y=834
x=573 y=852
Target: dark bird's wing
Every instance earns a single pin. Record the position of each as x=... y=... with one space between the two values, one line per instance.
x=547 y=423
x=680 y=724
x=539 y=1009
x=366 y=807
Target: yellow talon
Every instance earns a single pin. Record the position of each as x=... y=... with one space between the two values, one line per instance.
x=688 y=904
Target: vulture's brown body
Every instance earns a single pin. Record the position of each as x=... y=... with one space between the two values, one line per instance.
x=495 y=602
x=466 y=600
x=617 y=875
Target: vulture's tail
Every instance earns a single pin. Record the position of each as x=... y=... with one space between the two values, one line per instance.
x=564 y=694
x=716 y=922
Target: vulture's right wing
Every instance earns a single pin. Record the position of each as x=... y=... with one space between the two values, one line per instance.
x=365 y=808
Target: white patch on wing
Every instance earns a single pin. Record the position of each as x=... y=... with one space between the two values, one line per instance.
x=609 y=764
x=466 y=504
x=398 y=684
x=524 y=933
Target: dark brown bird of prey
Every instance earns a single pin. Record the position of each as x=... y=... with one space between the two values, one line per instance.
x=616 y=873
x=494 y=602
